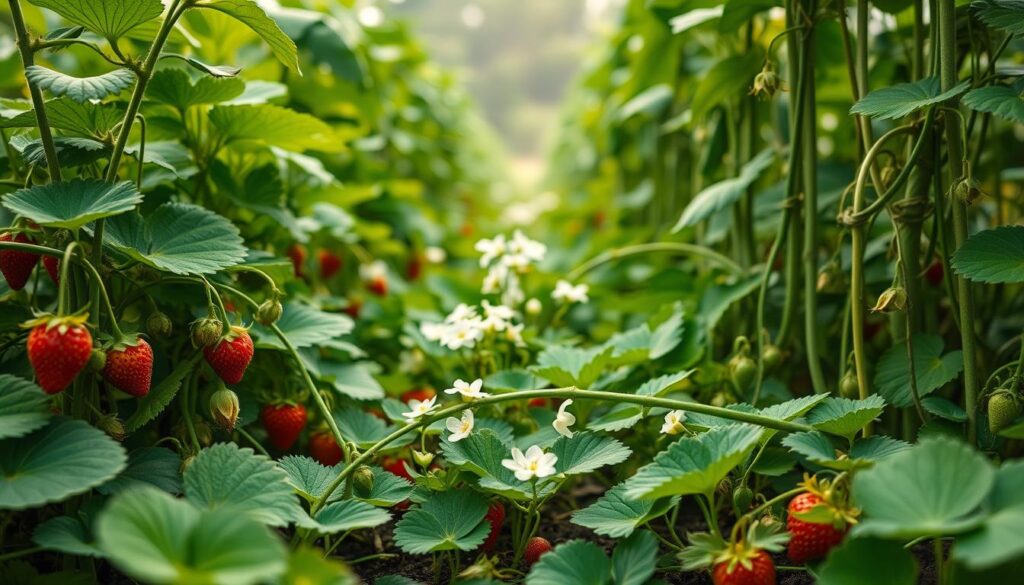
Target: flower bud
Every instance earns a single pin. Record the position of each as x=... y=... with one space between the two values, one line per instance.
x=224 y=408
x=534 y=307
x=206 y=332
x=158 y=325
x=422 y=459
x=892 y=300
x=113 y=426
x=766 y=83
x=269 y=312
x=362 y=481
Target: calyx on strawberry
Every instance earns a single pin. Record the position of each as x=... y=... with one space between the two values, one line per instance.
x=230 y=356
x=58 y=349
x=744 y=560
x=818 y=519
x=17 y=265
x=129 y=366
x=283 y=423
x=496 y=517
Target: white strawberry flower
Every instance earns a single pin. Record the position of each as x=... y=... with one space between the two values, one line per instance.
x=531 y=250
x=419 y=408
x=435 y=254
x=468 y=390
x=464 y=333
x=460 y=428
x=534 y=463
x=566 y=292
x=564 y=420
x=673 y=423
x=461 y=312
x=490 y=250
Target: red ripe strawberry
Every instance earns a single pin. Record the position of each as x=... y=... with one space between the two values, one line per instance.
x=353 y=307
x=535 y=547
x=297 y=253
x=809 y=540
x=420 y=394
x=330 y=263
x=129 y=368
x=378 y=286
x=16 y=265
x=538 y=403
x=397 y=467
x=59 y=348
x=283 y=423
x=496 y=516
x=324 y=449
x=52 y=266
x=231 y=355
x=761 y=571
x=414 y=269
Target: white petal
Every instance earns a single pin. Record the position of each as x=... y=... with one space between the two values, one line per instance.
x=453 y=424
x=524 y=475
x=533 y=453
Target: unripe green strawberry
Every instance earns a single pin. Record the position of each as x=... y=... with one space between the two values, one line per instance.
x=1003 y=409
x=771 y=356
x=743 y=372
x=848 y=386
x=742 y=496
x=97 y=360
x=158 y=325
x=206 y=332
x=269 y=311
x=362 y=481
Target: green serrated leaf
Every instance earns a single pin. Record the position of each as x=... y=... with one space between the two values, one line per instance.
x=932 y=370
x=225 y=476
x=1001 y=537
x=67 y=535
x=161 y=395
x=933 y=489
x=72 y=151
x=80 y=89
x=110 y=19
x=304 y=326
x=635 y=558
x=585 y=452
x=818 y=448
x=1005 y=102
x=904 y=99
x=572 y=366
x=482 y=453
x=176 y=88
x=62 y=459
x=72 y=204
x=845 y=417
x=577 y=562
x=694 y=465
x=155 y=466
x=179 y=238
x=249 y=13
x=617 y=516
x=24 y=407
x=726 y=192
x=353 y=380
x=89 y=119
x=365 y=429
x=274 y=126
x=347 y=515
x=992 y=256
x=446 y=521
x=155 y=538
x=1007 y=15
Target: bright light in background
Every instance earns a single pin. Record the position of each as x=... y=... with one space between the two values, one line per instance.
x=472 y=16
x=371 y=16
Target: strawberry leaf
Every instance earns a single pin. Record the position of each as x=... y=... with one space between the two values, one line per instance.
x=451 y=520
x=24 y=407
x=577 y=562
x=616 y=515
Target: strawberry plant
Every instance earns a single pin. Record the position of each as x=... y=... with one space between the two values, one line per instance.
x=271 y=312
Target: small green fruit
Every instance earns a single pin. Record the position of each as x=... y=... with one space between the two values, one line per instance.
x=362 y=481
x=771 y=356
x=1003 y=408
x=206 y=332
x=269 y=312
x=742 y=496
x=97 y=360
x=158 y=325
x=743 y=372
x=848 y=386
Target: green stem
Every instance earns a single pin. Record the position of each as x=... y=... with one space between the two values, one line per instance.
x=252 y=440
x=566 y=392
x=954 y=146
x=857 y=237
x=38 y=104
x=20 y=553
